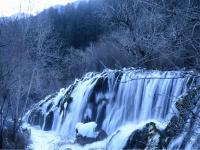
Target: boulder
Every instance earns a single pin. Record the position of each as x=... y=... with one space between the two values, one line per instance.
x=86 y=129
x=87 y=133
x=143 y=138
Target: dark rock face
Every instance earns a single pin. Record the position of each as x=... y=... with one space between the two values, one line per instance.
x=84 y=140
x=48 y=121
x=139 y=139
x=49 y=98
x=174 y=127
x=87 y=140
x=142 y=138
x=36 y=117
x=185 y=106
x=101 y=135
x=49 y=106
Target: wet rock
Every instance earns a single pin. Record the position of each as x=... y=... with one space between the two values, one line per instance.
x=84 y=140
x=142 y=138
x=101 y=135
x=185 y=106
x=36 y=117
x=47 y=99
x=172 y=130
x=174 y=127
x=87 y=140
x=49 y=107
x=86 y=133
x=187 y=102
x=49 y=121
x=66 y=101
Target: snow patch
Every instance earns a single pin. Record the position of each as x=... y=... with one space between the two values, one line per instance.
x=87 y=129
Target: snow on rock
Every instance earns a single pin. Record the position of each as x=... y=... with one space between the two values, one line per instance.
x=86 y=129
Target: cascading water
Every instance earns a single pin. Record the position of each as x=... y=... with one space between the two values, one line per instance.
x=115 y=99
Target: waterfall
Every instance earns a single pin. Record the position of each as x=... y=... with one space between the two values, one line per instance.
x=113 y=99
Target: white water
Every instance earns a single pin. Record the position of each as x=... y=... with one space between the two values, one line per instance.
x=128 y=100
x=50 y=140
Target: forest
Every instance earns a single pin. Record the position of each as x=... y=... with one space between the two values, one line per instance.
x=40 y=54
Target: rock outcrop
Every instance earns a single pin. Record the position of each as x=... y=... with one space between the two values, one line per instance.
x=87 y=133
x=184 y=120
x=148 y=136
